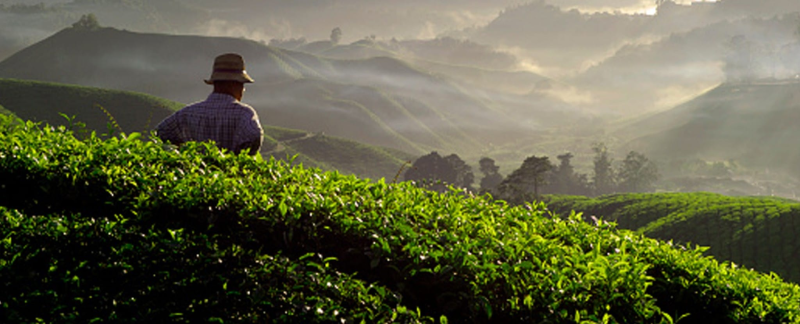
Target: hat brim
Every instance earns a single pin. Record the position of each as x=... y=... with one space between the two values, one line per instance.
x=226 y=76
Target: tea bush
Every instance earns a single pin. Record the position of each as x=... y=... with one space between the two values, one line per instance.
x=83 y=269
x=190 y=220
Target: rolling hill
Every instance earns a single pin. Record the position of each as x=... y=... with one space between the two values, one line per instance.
x=380 y=101
x=136 y=112
x=753 y=123
x=755 y=232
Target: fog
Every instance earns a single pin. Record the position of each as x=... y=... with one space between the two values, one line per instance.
x=531 y=65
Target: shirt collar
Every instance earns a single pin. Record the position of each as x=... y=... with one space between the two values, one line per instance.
x=216 y=96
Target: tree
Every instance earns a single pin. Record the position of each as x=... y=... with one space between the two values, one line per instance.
x=532 y=175
x=740 y=59
x=603 y=173
x=464 y=176
x=435 y=172
x=491 y=175
x=563 y=175
x=637 y=173
x=565 y=180
x=336 y=35
x=87 y=22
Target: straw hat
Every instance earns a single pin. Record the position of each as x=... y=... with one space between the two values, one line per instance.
x=229 y=67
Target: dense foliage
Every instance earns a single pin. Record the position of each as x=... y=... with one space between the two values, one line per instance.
x=124 y=230
x=756 y=232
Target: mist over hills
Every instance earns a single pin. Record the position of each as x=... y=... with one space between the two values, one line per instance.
x=593 y=38
x=98 y=109
x=465 y=76
x=583 y=38
x=679 y=67
x=381 y=101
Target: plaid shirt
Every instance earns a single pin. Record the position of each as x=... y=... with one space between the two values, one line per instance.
x=221 y=118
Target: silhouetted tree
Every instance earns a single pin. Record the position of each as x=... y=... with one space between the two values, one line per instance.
x=491 y=175
x=336 y=35
x=436 y=173
x=740 y=59
x=464 y=176
x=531 y=176
x=87 y=22
x=565 y=180
x=637 y=173
x=603 y=173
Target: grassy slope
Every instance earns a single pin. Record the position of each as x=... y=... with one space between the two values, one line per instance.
x=42 y=101
x=350 y=157
x=6 y=111
x=469 y=258
x=752 y=123
x=757 y=232
x=331 y=153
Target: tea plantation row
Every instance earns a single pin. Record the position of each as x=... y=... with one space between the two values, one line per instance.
x=757 y=232
x=126 y=230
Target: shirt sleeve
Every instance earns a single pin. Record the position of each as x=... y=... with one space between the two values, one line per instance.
x=251 y=134
x=169 y=130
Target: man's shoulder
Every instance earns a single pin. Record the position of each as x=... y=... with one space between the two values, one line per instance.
x=243 y=108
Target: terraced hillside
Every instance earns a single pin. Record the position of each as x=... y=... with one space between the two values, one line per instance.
x=140 y=232
x=755 y=232
x=136 y=112
x=381 y=101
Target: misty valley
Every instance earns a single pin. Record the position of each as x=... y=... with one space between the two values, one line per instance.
x=512 y=161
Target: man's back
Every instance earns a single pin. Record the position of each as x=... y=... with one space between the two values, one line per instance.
x=221 y=118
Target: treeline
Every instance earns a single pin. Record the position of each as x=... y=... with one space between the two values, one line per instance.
x=538 y=175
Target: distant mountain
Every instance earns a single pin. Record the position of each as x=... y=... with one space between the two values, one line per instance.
x=664 y=73
x=753 y=123
x=571 y=39
x=554 y=37
x=380 y=101
x=456 y=52
x=136 y=112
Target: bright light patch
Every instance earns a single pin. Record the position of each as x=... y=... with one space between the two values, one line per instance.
x=651 y=11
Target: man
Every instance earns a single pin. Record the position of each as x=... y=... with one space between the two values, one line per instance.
x=222 y=117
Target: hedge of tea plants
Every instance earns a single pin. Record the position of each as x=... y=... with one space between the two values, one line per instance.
x=756 y=232
x=124 y=230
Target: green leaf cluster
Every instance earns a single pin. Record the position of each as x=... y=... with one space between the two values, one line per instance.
x=198 y=235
